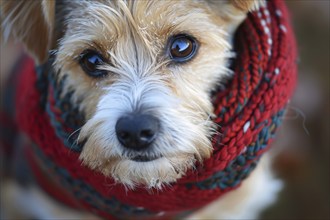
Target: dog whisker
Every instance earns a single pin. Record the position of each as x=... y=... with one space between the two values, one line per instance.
x=73 y=133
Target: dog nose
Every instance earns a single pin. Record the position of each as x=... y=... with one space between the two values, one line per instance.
x=137 y=131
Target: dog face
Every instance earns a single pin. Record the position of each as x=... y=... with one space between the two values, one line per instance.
x=142 y=73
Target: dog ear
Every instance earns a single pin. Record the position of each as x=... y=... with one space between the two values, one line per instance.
x=30 y=22
x=233 y=12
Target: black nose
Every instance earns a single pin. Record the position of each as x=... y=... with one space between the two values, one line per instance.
x=137 y=131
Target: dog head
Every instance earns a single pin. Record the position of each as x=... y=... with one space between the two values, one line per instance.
x=142 y=73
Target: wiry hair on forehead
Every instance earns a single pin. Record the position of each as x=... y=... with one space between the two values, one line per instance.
x=147 y=20
x=141 y=28
x=97 y=18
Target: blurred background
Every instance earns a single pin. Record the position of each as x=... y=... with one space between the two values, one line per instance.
x=304 y=137
x=304 y=162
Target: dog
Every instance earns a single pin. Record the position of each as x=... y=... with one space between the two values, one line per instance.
x=142 y=74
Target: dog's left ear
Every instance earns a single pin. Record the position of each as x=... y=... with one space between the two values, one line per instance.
x=30 y=22
x=233 y=12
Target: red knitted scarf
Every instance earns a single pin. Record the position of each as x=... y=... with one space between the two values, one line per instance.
x=249 y=110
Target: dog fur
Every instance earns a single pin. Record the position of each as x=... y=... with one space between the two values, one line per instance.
x=133 y=38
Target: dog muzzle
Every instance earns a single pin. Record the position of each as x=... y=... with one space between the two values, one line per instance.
x=249 y=110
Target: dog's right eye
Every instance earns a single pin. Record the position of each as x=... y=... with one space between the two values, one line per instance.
x=90 y=62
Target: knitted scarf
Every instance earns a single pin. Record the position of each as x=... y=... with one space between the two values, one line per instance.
x=249 y=110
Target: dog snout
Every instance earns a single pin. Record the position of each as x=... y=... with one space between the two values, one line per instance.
x=137 y=131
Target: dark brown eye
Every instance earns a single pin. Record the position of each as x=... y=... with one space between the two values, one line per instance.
x=182 y=48
x=90 y=61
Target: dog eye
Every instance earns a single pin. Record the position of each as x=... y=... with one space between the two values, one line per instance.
x=182 y=48
x=90 y=61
